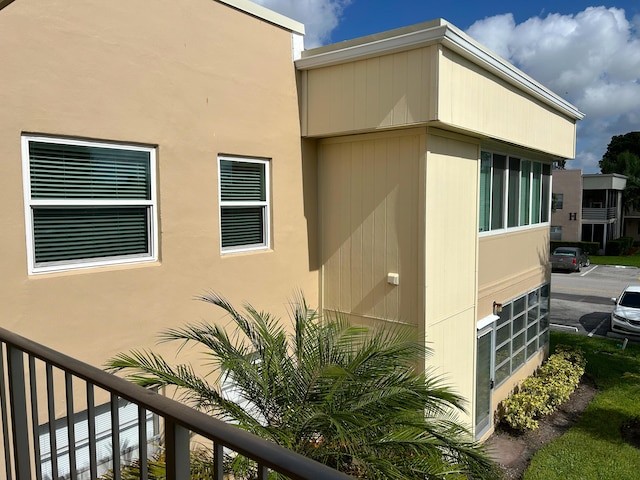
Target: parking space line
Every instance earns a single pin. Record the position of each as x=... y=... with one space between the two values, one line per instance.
x=597 y=328
x=589 y=271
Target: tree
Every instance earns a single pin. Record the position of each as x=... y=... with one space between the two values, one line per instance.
x=629 y=142
x=344 y=395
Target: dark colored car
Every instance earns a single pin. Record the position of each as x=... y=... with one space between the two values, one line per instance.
x=569 y=258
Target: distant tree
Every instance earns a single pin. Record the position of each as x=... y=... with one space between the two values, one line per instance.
x=559 y=164
x=629 y=142
x=630 y=165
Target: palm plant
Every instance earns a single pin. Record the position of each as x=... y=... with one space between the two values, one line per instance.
x=343 y=395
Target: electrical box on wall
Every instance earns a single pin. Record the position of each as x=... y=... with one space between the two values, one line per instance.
x=393 y=278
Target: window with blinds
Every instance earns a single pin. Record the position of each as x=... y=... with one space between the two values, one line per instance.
x=88 y=203
x=244 y=204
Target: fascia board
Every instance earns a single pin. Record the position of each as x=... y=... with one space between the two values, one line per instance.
x=451 y=38
x=265 y=14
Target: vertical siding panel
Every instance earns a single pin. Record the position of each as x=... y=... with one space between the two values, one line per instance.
x=373 y=92
x=329 y=161
x=393 y=213
x=368 y=207
x=356 y=217
x=417 y=88
x=385 y=94
x=360 y=103
x=345 y=112
x=407 y=224
x=380 y=227
x=344 y=215
x=399 y=88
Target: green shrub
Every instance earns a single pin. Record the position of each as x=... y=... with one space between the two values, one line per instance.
x=544 y=392
x=619 y=246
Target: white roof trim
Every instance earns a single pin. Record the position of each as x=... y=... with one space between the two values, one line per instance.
x=486 y=321
x=438 y=31
x=265 y=14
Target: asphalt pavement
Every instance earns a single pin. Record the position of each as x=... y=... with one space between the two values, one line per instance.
x=581 y=302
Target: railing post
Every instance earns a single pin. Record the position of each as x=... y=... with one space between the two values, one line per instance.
x=18 y=399
x=177 y=451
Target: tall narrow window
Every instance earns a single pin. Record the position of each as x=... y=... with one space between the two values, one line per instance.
x=485 y=191
x=536 y=193
x=88 y=203
x=244 y=204
x=514 y=192
x=497 y=192
x=525 y=192
x=546 y=192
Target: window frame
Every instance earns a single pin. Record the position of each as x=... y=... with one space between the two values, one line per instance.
x=264 y=205
x=30 y=204
x=515 y=185
x=532 y=315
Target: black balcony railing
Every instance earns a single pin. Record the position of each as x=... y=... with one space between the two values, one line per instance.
x=30 y=377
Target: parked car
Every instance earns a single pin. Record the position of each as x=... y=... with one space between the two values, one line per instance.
x=625 y=317
x=569 y=258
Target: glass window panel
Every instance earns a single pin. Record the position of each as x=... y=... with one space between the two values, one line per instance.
x=514 y=193
x=60 y=171
x=62 y=234
x=532 y=332
x=242 y=226
x=525 y=192
x=532 y=315
x=502 y=373
x=544 y=299
x=497 y=192
x=546 y=192
x=531 y=348
x=544 y=339
x=518 y=342
x=503 y=334
x=503 y=353
x=519 y=305
x=505 y=314
x=536 y=193
x=544 y=322
x=518 y=360
x=485 y=191
x=518 y=324
x=534 y=297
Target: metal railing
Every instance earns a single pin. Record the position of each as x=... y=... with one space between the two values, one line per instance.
x=25 y=397
x=599 y=213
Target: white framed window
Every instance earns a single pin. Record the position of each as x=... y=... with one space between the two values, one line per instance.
x=514 y=192
x=244 y=203
x=88 y=203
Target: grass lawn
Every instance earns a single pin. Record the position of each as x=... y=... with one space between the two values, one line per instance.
x=627 y=260
x=593 y=448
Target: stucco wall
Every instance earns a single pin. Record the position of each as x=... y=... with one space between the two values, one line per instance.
x=195 y=81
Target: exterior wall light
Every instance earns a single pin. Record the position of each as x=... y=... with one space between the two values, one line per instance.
x=497 y=308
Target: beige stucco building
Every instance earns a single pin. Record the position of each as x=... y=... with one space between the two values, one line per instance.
x=151 y=151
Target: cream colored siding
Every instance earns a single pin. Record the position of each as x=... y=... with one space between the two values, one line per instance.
x=370 y=225
x=510 y=264
x=381 y=92
x=451 y=245
x=477 y=101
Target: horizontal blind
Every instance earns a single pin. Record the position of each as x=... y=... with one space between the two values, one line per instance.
x=62 y=233
x=81 y=171
x=242 y=181
x=242 y=226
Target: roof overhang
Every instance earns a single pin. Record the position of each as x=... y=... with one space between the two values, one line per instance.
x=429 y=33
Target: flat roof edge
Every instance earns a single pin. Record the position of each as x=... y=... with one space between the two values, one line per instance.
x=266 y=14
x=429 y=33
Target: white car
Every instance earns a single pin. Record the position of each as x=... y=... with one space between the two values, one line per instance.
x=625 y=317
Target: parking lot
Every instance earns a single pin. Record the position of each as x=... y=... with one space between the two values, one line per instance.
x=581 y=302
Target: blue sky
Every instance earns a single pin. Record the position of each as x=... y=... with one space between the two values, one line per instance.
x=589 y=53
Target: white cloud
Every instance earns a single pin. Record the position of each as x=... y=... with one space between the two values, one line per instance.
x=591 y=58
x=320 y=17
